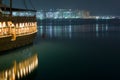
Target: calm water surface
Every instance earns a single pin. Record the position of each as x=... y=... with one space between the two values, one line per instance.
x=76 y=52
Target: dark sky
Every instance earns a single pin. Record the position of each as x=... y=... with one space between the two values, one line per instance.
x=96 y=7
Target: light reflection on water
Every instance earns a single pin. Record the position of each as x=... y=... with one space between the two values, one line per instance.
x=67 y=31
x=79 y=52
x=62 y=52
x=17 y=64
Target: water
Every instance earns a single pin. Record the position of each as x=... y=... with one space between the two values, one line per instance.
x=73 y=52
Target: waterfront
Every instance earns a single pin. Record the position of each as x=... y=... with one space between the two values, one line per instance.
x=73 y=52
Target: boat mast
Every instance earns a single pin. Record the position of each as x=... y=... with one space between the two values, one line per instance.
x=10 y=8
x=0 y=7
x=0 y=1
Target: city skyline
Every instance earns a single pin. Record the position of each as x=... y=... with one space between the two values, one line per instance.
x=106 y=7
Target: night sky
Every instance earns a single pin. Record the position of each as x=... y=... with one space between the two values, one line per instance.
x=96 y=7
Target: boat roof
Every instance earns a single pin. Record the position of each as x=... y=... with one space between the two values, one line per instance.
x=6 y=8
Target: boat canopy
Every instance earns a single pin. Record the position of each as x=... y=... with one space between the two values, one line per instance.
x=6 y=8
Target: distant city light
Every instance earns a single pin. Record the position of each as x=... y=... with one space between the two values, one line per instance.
x=62 y=13
x=97 y=17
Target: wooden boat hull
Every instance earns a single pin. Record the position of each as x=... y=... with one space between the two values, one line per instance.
x=7 y=44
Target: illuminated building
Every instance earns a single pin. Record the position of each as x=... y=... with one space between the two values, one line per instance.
x=62 y=13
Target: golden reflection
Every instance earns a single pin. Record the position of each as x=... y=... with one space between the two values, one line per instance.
x=20 y=69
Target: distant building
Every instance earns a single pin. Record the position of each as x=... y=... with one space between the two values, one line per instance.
x=62 y=13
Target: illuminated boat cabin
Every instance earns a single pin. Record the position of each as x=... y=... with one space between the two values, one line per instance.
x=16 y=22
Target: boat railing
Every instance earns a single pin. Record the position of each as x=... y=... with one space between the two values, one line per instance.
x=18 y=31
x=17 y=25
x=17 y=19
